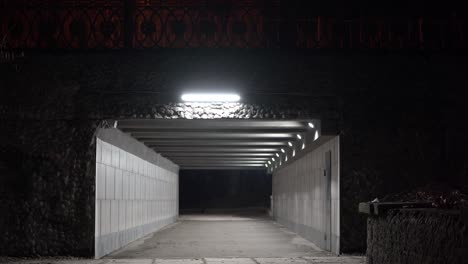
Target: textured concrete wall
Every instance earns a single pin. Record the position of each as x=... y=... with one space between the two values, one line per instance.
x=300 y=196
x=136 y=193
x=47 y=175
x=429 y=236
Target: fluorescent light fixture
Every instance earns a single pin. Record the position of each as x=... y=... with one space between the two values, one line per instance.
x=277 y=155
x=273 y=159
x=282 y=150
x=286 y=158
x=298 y=136
x=294 y=153
x=269 y=162
x=316 y=135
x=210 y=97
x=280 y=162
x=290 y=144
x=303 y=145
x=311 y=125
x=266 y=165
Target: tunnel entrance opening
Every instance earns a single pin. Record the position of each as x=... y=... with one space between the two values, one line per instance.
x=224 y=191
x=170 y=158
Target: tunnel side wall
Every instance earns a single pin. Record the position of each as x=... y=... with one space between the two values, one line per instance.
x=136 y=191
x=299 y=195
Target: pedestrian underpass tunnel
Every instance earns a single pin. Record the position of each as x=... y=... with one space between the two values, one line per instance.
x=141 y=164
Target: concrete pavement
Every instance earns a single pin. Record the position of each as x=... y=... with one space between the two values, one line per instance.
x=214 y=239
x=303 y=260
x=220 y=236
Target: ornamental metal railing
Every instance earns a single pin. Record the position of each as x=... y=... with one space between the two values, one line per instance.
x=143 y=24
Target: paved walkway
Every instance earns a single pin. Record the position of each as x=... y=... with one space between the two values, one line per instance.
x=221 y=236
x=215 y=239
x=303 y=260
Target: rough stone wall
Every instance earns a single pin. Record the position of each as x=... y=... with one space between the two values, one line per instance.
x=428 y=236
x=397 y=116
x=143 y=85
x=47 y=187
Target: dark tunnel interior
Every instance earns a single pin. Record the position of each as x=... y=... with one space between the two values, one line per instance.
x=223 y=189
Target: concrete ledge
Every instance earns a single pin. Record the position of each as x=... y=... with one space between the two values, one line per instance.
x=378 y=208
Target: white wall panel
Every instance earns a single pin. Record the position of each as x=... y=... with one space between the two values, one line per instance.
x=100 y=181
x=110 y=174
x=130 y=197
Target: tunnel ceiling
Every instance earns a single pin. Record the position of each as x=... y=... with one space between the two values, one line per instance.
x=223 y=143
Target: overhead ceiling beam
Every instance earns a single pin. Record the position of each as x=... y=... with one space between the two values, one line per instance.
x=210 y=142
x=221 y=168
x=221 y=165
x=214 y=149
x=221 y=158
x=221 y=162
x=232 y=165
x=217 y=130
x=213 y=135
x=229 y=124
x=224 y=165
x=217 y=154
